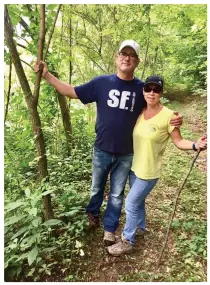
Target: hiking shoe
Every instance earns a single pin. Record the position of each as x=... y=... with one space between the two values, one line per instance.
x=120 y=248
x=94 y=221
x=109 y=238
x=141 y=233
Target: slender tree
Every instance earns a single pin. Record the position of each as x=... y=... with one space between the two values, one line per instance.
x=65 y=112
x=9 y=90
x=31 y=101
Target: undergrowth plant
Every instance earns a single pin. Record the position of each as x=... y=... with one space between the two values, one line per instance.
x=34 y=247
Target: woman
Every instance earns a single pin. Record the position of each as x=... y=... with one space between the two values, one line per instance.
x=150 y=137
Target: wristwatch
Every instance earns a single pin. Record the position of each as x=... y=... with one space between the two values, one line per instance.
x=193 y=147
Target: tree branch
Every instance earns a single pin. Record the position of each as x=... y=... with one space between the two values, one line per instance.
x=96 y=63
x=52 y=31
x=40 y=51
x=21 y=45
x=174 y=210
x=26 y=27
x=23 y=39
x=28 y=6
x=8 y=32
x=9 y=89
x=27 y=63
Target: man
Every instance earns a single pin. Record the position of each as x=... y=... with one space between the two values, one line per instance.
x=119 y=99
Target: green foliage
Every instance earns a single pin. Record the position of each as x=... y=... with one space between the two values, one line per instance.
x=14 y=11
x=27 y=237
x=193 y=242
x=24 y=232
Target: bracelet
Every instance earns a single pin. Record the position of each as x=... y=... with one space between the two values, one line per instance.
x=193 y=147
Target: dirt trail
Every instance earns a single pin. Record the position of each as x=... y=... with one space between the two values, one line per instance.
x=194 y=121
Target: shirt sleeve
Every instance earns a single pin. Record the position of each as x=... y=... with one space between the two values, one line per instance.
x=170 y=127
x=87 y=92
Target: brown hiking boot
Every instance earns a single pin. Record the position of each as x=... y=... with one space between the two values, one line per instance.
x=94 y=221
x=109 y=238
x=123 y=246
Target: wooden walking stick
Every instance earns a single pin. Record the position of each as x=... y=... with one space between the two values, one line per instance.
x=174 y=210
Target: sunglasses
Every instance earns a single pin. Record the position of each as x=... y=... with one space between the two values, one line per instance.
x=156 y=89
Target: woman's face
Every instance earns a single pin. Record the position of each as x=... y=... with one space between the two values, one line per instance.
x=152 y=93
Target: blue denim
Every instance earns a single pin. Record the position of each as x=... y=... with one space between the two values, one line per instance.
x=119 y=167
x=135 y=205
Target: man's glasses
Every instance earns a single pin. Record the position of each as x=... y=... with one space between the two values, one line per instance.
x=156 y=89
x=123 y=55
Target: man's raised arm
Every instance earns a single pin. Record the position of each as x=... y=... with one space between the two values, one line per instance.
x=62 y=88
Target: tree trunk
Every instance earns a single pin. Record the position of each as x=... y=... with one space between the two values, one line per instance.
x=61 y=99
x=66 y=121
x=9 y=90
x=65 y=117
x=42 y=158
x=145 y=59
x=155 y=59
x=147 y=9
x=32 y=107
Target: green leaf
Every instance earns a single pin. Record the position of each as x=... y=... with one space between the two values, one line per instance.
x=70 y=213
x=31 y=272
x=15 y=19
x=13 y=220
x=33 y=239
x=51 y=222
x=53 y=13
x=22 y=256
x=47 y=192
x=32 y=255
x=78 y=244
x=20 y=232
x=49 y=249
x=36 y=222
x=11 y=258
x=35 y=200
x=51 y=6
x=27 y=192
x=13 y=205
x=33 y=212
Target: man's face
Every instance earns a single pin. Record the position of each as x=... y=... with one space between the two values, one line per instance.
x=127 y=60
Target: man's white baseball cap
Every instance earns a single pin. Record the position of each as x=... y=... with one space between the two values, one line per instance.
x=132 y=44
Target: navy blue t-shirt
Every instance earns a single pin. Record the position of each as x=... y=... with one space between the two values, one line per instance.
x=119 y=103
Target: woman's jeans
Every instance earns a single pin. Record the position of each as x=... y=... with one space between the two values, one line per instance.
x=135 y=205
x=119 y=167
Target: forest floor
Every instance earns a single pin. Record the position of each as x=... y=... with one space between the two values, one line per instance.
x=178 y=264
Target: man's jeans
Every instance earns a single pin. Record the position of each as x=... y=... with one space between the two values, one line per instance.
x=119 y=167
x=135 y=205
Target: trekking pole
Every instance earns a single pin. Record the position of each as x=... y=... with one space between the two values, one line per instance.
x=173 y=213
